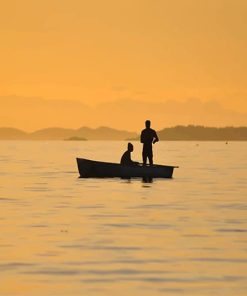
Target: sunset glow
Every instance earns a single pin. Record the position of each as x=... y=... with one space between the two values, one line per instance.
x=97 y=52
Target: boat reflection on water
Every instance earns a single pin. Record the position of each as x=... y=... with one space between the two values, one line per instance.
x=147 y=180
x=144 y=179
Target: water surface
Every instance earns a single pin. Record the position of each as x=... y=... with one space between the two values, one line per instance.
x=61 y=235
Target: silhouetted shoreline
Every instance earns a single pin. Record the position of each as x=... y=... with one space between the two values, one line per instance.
x=201 y=133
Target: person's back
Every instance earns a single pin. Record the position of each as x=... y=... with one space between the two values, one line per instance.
x=148 y=138
x=126 y=157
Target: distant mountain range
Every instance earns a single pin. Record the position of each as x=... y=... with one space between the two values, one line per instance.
x=201 y=133
x=177 y=133
x=83 y=133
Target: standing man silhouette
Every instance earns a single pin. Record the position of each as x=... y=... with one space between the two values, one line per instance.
x=148 y=138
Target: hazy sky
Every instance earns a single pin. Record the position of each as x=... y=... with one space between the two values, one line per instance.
x=150 y=50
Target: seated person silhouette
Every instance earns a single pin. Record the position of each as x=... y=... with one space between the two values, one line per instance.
x=126 y=157
x=148 y=138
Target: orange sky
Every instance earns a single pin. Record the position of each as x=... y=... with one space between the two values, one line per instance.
x=148 y=50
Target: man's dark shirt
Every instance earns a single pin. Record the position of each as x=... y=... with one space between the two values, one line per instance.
x=148 y=135
x=126 y=159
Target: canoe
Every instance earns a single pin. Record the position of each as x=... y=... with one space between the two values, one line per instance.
x=98 y=169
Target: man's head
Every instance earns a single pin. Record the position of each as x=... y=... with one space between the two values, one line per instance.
x=148 y=123
x=130 y=147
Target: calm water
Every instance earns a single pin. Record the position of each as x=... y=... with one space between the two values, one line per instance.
x=61 y=235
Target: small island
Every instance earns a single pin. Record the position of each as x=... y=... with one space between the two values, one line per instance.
x=75 y=139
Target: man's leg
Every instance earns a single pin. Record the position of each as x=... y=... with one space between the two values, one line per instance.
x=150 y=155
x=144 y=157
x=150 y=158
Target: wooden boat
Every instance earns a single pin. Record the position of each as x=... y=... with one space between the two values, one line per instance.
x=98 y=169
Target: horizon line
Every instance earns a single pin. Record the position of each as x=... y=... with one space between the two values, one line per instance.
x=109 y=127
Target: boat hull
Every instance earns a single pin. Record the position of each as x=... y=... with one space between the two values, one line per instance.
x=97 y=169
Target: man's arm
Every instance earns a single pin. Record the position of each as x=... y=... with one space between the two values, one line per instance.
x=156 y=138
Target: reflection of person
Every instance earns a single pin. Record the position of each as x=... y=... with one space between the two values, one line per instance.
x=126 y=157
x=148 y=138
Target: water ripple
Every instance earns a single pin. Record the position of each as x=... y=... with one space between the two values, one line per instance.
x=95 y=247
